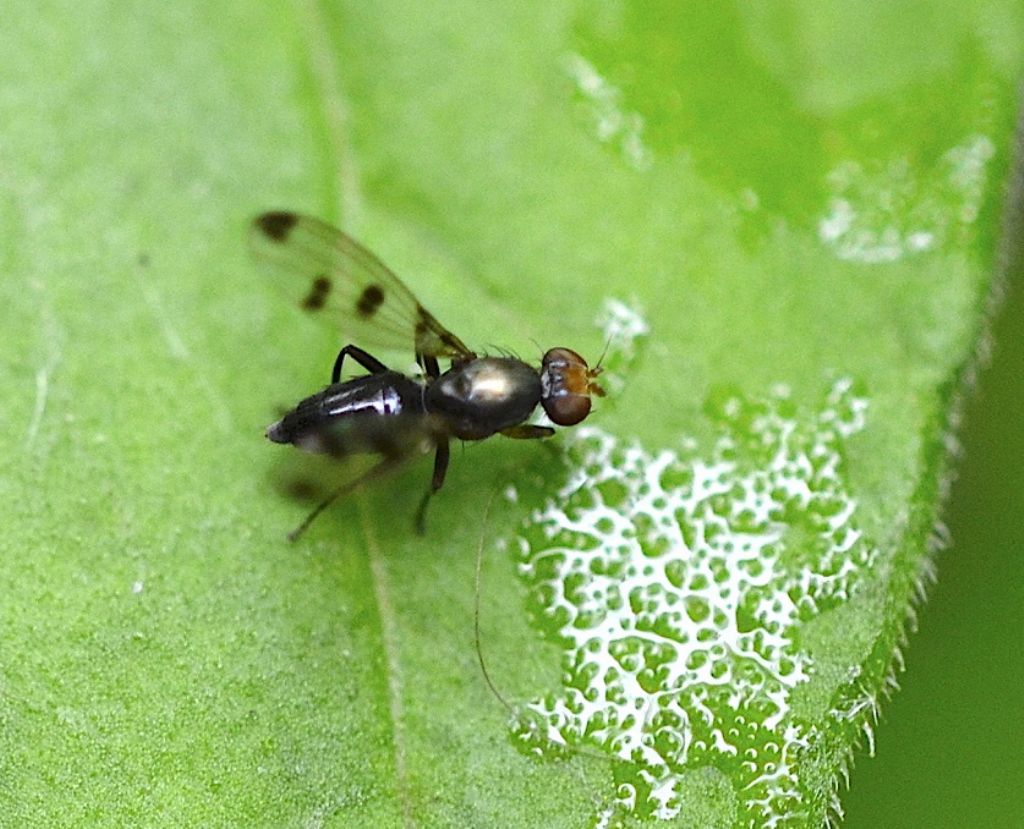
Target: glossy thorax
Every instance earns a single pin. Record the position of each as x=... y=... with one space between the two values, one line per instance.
x=481 y=397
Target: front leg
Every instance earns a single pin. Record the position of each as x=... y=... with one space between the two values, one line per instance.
x=436 y=482
x=367 y=361
x=526 y=431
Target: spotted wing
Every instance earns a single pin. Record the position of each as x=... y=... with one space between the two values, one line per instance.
x=333 y=277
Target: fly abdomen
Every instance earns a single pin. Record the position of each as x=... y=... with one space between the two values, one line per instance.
x=319 y=423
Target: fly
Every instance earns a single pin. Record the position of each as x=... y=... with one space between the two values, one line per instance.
x=386 y=412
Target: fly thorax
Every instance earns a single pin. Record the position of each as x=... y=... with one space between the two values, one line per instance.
x=485 y=395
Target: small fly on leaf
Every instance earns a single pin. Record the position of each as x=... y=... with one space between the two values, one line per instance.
x=386 y=412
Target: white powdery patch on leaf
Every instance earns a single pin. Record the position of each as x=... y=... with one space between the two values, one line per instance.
x=613 y=124
x=623 y=325
x=884 y=211
x=676 y=585
x=625 y=331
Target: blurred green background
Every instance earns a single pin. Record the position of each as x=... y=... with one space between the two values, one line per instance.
x=949 y=746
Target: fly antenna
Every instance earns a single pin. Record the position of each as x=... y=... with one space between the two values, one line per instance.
x=597 y=369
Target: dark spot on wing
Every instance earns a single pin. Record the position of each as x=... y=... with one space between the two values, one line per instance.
x=429 y=332
x=450 y=340
x=304 y=489
x=317 y=295
x=422 y=326
x=370 y=301
x=277 y=224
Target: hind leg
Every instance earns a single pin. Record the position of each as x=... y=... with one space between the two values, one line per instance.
x=367 y=361
x=436 y=482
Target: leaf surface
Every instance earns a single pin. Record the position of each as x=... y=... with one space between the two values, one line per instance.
x=787 y=214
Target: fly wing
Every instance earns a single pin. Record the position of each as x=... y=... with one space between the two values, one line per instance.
x=331 y=276
x=399 y=437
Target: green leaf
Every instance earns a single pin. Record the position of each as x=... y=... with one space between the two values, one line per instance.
x=785 y=216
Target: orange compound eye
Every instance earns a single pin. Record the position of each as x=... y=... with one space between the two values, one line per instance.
x=566 y=386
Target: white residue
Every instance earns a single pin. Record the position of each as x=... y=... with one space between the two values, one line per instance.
x=624 y=328
x=679 y=583
x=613 y=124
x=884 y=211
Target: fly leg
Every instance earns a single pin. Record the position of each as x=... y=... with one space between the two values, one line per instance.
x=441 y=456
x=367 y=361
x=527 y=431
x=381 y=469
x=429 y=365
x=436 y=482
